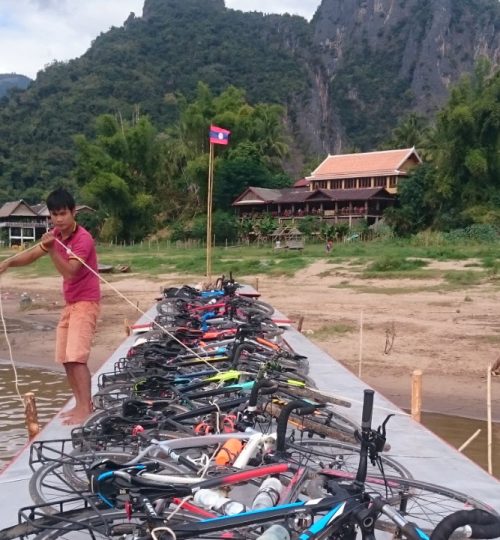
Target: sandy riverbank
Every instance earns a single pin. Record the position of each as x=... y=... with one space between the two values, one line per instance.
x=452 y=335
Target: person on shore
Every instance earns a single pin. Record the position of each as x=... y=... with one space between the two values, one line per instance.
x=72 y=250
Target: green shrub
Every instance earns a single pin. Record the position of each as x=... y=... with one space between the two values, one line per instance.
x=395 y=264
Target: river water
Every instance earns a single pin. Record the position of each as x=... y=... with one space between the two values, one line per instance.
x=52 y=392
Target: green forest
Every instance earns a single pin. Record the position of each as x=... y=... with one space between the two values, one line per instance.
x=125 y=127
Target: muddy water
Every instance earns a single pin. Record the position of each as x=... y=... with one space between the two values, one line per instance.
x=456 y=430
x=51 y=392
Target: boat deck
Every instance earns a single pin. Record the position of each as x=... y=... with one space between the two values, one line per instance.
x=422 y=452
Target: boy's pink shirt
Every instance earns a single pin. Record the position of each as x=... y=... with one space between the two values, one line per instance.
x=85 y=285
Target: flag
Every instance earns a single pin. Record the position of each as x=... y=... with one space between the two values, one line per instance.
x=219 y=135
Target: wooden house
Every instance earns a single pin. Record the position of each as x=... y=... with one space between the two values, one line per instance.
x=20 y=223
x=344 y=188
x=331 y=205
x=382 y=169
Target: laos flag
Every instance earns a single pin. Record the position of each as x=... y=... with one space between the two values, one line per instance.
x=219 y=135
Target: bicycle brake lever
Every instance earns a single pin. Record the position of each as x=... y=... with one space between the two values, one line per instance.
x=381 y=430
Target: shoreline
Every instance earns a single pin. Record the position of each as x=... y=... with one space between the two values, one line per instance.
x=451 y=336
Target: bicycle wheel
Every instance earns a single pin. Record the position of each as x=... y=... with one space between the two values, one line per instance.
x=67 y=478
x=422 y=503
x=112 y=523
x=340 y=457
x=115 y=524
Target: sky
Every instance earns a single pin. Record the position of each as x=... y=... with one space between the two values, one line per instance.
x=34 y=33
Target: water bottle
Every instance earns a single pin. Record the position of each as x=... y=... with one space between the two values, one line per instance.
x=212 y=500
x=268 y=494
x=275 y=532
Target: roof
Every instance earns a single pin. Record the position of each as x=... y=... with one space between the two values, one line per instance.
x=17 y=208
x=386 y=162
x=302 y=183
x=42 y=210
x=350 y=194
x=290 y=195
x=257 y=195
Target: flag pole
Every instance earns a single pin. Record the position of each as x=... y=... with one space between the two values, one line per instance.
x=209 y=211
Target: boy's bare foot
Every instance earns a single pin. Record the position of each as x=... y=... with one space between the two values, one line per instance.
x=75 y=410
x=76 y=419
x=65 y=414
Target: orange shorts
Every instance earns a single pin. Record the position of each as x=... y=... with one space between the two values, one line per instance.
x=75 y=331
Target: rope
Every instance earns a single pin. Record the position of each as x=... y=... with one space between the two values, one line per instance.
x=4 y=325
x=121 y=295
x=11 y=356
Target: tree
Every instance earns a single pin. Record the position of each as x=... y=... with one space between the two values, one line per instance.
x=466 y=147
x=416 y=210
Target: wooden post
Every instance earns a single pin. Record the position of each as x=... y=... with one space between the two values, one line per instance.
x=126 y=326
x=416 y=395
x=209 y=211
x=257 y=284
x=300 y=323
x=490 y=425
x=31 y=415
x=360 y=344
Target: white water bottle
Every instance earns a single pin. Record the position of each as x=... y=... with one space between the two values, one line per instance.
x=275 y=532
x=212 y=500
x=268 y=494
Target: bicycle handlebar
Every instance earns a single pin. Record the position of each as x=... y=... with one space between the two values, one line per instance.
x=366 y=424
x=262 y=387
x=478 y=524
x=302 y=408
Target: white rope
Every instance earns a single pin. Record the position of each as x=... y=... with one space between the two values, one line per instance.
x=164 y=529
x=11 y=357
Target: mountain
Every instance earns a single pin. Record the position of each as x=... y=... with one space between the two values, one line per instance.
x=345 y=78
x=12 y=80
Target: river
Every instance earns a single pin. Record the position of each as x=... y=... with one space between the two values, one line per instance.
x=52 y=393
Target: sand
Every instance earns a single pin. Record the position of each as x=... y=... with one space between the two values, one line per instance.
x=451 y=335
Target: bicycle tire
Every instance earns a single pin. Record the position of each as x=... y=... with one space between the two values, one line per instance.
x=343 y=457
x=62 y=479
x=101 y=525
x=423 y=503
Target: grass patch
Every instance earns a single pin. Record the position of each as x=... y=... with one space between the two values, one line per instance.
x=396 y=264
x=408 y=274
x=458 y=277
x=332 y=330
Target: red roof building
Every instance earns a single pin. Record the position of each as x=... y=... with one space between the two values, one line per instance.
x=345 y=187
x=367 y=170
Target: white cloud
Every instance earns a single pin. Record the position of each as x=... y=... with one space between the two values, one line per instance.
x=34 y=33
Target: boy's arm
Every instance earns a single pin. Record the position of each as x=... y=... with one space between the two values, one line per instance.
x=23 y=259
x=67 y=268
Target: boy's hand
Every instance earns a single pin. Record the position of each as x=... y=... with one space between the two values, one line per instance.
x=48 y=240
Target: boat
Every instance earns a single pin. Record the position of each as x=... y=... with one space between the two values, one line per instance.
x=104 y=268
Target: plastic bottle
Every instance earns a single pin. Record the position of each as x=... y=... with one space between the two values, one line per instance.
x=212 y=500
x=275 y=532
x=268 y=494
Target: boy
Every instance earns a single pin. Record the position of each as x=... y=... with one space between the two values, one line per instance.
x=72 y=251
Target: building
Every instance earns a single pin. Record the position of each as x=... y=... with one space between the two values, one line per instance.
x=21 y=223
x=367 y=170
x=343 y=188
